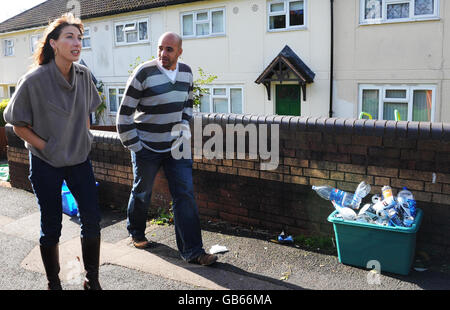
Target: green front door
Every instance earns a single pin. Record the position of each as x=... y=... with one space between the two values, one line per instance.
x=287 y=99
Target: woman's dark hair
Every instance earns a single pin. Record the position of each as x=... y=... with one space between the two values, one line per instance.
x=44 y=51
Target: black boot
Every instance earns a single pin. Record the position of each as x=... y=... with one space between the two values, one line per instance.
x=50 y=258
x=91 y=259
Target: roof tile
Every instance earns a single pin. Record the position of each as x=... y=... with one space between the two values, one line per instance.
x=47 y=11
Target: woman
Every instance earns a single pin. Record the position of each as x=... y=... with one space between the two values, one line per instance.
x=50 y=112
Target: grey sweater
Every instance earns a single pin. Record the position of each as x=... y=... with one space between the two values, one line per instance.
x=57 y=111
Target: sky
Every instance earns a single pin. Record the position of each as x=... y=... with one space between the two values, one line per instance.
x=10 y=8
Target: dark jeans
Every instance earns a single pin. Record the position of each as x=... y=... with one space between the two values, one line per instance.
x=179 y=176
x=47 y=181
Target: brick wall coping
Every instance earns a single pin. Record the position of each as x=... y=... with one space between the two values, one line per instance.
x=366 y=127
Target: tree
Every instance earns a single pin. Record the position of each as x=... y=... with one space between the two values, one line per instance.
x=102 y=107
x=3 y=105
x=199 y=91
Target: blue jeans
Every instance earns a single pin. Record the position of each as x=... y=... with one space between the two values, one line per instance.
x=179 y=176
x=47 y=180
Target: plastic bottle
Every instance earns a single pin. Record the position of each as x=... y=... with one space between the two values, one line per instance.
x=345 y=212
x=282 y=238
x=405 y=193
x=382 y=205
x=382 y=221
x=362 y=191
x=386 y=191
x=363 y=218
x=407 y=201
x=394 y=219
x=343 y=199
x=376 y=198
x=408 y=221
x=368 y=211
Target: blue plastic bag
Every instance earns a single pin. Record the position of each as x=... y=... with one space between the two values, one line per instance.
x=69 y=204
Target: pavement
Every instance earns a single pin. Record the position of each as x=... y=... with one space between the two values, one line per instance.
x=252 y=262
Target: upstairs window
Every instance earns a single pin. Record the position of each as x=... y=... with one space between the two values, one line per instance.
x=131 y=32
x=287 y=14
x=86 y=42
x=34 y=40
x=8 y=47
x=203 y=23
x=383 y=11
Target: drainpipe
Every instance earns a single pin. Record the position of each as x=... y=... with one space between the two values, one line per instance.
x=330 y=113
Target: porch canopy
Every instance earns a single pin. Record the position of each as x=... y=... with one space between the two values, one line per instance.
x=286 y=66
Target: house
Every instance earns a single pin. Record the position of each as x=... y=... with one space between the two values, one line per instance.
x=392 y=55
x=270 y=56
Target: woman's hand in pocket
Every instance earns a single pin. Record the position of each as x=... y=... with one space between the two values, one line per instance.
x=27 y=134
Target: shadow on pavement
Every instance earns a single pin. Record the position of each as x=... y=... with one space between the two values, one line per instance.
x=428 y=280
x=112 y=217
x=171 y=255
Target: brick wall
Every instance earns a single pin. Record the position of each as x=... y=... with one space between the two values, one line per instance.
x=313 y=151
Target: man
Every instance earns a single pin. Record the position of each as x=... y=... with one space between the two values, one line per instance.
x=158 y=96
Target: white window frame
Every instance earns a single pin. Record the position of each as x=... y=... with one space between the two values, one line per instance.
x=130 y=27
x=118 y=97
x=136 y=23
x=86 y=37
x=286 y=13
x=33 y=46
x=400 y=100
x=386 y=3
x=409 y=99
x=6 y=46
x=384 y=19
x=195 y=22
x=227 y=95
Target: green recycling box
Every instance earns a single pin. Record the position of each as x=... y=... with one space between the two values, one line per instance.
x=366 y=245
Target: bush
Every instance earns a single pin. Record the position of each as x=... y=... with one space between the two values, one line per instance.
x=3 y=104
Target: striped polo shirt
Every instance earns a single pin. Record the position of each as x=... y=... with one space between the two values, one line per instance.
x=153 y=104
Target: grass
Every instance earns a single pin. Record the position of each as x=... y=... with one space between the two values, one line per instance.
x=316 y=243
x=163 y=217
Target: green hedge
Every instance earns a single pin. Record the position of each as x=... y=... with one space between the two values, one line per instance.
x=3 y=104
